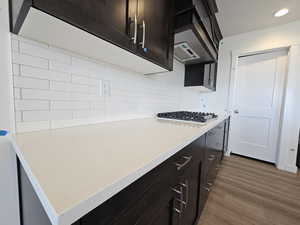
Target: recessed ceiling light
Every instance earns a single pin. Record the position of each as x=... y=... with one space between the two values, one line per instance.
x=281 y=12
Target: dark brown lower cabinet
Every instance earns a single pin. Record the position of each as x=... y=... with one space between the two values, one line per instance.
x=173 y=193
x=190 y=183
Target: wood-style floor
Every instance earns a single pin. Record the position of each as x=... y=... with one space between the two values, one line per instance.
x=248 y=192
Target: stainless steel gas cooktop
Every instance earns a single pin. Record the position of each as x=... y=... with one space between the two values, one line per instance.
x=198 y=117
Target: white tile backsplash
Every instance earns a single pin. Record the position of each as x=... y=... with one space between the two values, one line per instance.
x=69 y=87
x=23 y=105
x=29 y=116
x=43 y=52
x=34 y=72
x=45 y=95
x=29 y=60
x=70 y=105
x=16 y=69
x=25 y=82
x=55 y=88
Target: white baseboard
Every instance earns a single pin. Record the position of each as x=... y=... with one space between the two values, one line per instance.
x=288 y=168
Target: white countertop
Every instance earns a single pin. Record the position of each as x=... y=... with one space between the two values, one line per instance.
x=74 y=170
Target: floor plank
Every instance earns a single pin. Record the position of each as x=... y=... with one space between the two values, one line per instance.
x=249 y=192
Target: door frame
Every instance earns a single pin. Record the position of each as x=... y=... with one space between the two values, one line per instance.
x=235 y=55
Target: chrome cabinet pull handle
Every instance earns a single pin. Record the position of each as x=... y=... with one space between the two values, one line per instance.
x=177 y=191
x=142 y=43
x=179 y=211
x=134 y=38
x=187 y=160
x=212 y=157
x=207 y=189
x=186 y=186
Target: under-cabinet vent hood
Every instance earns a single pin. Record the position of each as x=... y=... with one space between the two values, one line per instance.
x=183 y=52
x=195 y=29
x=193 y=34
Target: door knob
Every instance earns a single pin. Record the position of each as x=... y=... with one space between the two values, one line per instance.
x=236 y=111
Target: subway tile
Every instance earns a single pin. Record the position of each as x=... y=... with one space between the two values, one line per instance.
x=25 y=82
x=30 y=60
x=69 y=87
x=88 y=67
x=88 y=114
x=22 y=127
x=95 y=91
x=15 y=45
x=17 y=93
x=60 y=67
x=18 y=116
x=32 y=105
x=44 y=74
x=75 y=95
x=69 y=105
x=26 y=40
x=84 y=80
x=45 y=95
x=29 y=116
x=16 y=69
x=51 y=54
x=98 y=105
x=84 y=97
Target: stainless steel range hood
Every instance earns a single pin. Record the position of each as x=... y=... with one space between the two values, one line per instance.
x=192 y=42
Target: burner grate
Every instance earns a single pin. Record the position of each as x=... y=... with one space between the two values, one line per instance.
x=201 y=117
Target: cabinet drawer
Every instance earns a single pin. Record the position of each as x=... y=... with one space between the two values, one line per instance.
x=152 y=201
x=124 y=204
x=128 y=203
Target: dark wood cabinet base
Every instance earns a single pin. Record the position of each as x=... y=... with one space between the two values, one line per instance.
x=174 y=193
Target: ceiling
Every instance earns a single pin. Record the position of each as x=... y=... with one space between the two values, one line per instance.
x=240 y=16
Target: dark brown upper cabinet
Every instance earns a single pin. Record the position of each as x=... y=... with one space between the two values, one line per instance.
x=105 y=19
x=102 y=29
x=156 y=30
x=201 y=76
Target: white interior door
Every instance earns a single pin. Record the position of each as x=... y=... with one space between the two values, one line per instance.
x=257 y=101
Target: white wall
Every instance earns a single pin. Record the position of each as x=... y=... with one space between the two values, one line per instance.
x=276 y=37
x=291 y=114
x=54 y=88
x=9 y=209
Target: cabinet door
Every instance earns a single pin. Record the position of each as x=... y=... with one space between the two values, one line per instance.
x=156 y=31
x=108 y=19
x=190 y=185
x=162 y=213
x=213 y=76
x=215 y=141
x=210 y=75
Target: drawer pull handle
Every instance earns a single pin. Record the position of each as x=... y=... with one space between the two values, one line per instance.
x=212 y=157
x=177 y=191
x=207 y=189
x=210 y=184
x=179 y=211
x=186 y=186
x=187 y=160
